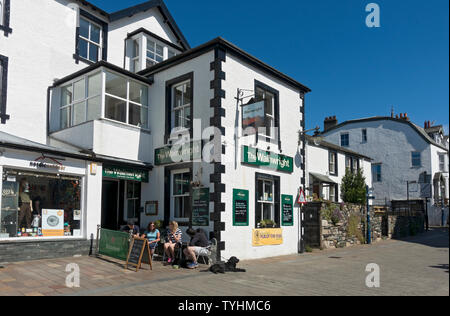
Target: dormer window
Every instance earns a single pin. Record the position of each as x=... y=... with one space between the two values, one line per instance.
x=145 y=49
x=155 y=53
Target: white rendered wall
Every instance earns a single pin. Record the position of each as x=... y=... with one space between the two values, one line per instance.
x=391 y=144
x=239 y=239
x=317 y=161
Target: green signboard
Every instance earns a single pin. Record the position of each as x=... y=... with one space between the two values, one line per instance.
x=122 y=173
x=114 y=244
x=267 y=159
x=287 y=210
x=200 y=207
x=178 y=153
x=240 y=207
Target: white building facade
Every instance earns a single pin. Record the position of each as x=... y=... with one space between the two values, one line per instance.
x=403 y=153
x=111 y=99
x=327 y=164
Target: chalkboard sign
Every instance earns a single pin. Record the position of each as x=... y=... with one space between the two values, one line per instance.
x=200 y=207
x=139 y=247
x=287 y=202
x=240 y=207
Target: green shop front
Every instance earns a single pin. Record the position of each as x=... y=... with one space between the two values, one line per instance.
x=122 y=187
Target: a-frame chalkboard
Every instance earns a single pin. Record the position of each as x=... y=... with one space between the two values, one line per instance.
x=139 y=248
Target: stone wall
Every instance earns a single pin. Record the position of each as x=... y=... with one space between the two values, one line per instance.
x=25 y=251
x=344 y=225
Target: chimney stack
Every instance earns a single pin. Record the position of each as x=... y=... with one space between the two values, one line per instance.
x=330 y=122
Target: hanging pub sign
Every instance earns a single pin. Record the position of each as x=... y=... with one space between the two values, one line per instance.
x=253 y=117
x=287 y=209
x=121 y=173
x=240 y=207
x=178 y=153
x=267 y=159
x=200 y=207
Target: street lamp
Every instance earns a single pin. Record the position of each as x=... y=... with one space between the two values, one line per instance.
x=316 y=139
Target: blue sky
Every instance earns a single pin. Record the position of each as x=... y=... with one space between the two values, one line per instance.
x=353 y=71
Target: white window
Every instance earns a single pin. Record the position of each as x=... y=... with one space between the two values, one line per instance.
x=155 y=53
x=90 y=40
x=135 y=56
x=269 y=110
x=126 y=100
x=332 y=163
x=332 y=193
x=133 y=200
x=266 y=201
x=442 y=163
x=181 y=200
x=81 y=101
x=181 y=106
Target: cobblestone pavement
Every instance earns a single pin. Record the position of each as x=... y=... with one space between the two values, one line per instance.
x=415 y=266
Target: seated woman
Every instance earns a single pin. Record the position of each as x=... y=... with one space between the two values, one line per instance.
x=153 y=236
x=174 y=236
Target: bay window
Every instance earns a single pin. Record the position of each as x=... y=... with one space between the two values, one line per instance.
x=103 y=94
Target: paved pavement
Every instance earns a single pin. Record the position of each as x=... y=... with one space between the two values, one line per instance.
x=414 y=266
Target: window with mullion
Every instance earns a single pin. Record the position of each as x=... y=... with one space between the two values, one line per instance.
x=90 y=40
x=333 y=163
x=181 y=107
x=269 y=110
x=155 y=53
x=181 y=195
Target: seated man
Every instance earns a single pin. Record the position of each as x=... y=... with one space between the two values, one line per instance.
x=197 y=247
x=130 y=227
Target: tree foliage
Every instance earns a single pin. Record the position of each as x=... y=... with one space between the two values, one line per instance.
x=353 y=188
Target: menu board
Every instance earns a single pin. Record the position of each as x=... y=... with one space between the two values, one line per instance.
x=287 y=209
x=138 y=249
x=200 y=207
x=240 y=207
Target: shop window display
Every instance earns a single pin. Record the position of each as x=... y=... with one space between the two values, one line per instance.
x=40 y=205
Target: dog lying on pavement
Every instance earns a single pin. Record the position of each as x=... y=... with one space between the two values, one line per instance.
x=223 y=267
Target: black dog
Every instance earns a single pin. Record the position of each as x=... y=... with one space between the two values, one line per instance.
x=223 y=267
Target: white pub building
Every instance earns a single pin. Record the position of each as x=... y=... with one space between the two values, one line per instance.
x=107 y=117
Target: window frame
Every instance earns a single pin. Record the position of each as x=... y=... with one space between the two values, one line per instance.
x=275 y=117
x=170 y=84
x=364 y=136
x=153 y=60
x=4 y=61
x=348 y=140
x=103 y=95
x=135 y=197
x=276 y=198
x=102 y=55
x=413 y=159
x=336 y=169
x=5 y=14
x=182 y=108
x=442 y=166
x=377 y=177
x=174 y=196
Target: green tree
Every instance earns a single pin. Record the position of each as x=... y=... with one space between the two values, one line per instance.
x=353 y=188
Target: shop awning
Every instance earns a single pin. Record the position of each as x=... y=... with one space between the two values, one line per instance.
x=322 y=178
